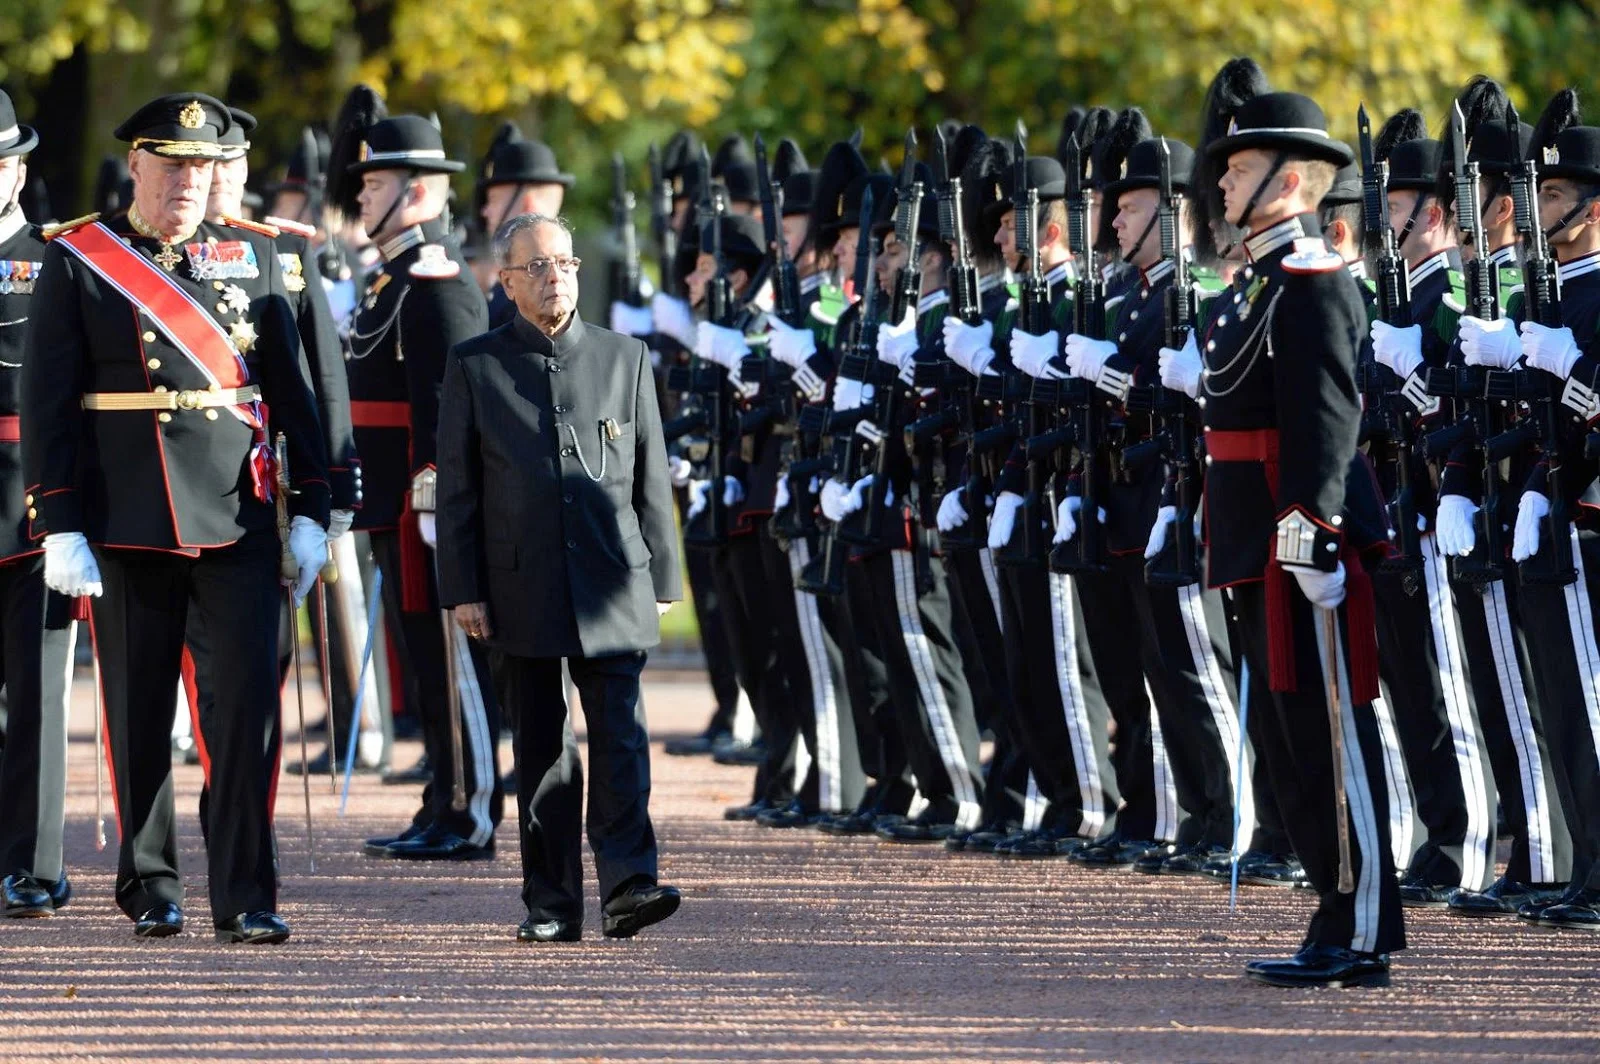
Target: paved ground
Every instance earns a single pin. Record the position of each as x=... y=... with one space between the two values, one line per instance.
x=788 y=948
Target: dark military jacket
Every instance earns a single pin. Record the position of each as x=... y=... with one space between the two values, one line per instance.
x=21 y=257
x=554 y=504
x=422 y=302
x=177 y=480
x=1577 y=409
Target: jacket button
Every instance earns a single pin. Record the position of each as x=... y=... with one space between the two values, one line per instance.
x=28 y=500
x=148 y=337
x=222 y=308
x=566 y=452
x=560 y=409
x=159 y=389
x=163 y=417
x=32 y=513
x=572 y=544
x=211 y=415
x=154 y=363
x=567 y=497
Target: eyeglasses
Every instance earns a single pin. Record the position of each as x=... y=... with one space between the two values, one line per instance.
x=540 y=267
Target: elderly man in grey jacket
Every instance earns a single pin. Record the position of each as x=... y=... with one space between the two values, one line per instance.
x=556 y=540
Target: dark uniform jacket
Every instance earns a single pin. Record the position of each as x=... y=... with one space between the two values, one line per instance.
x=554 y=502
x=422 y=302
x=1577 y=411
x=21 y=256
x=179 y=480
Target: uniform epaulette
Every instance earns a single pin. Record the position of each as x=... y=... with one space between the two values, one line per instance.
x=1312 y=254
x=288 y=225
x=1450 y=300
x=254 y=227
x=50 y=232
x=822 y=316
x=434 y=264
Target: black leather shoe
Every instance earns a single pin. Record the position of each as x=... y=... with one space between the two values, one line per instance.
x=61 y=892
x=696 y=745
x=861 y=822
x=1113 y=851
x=1032 y=846
x=24 y=897
x=379 y=847
x=1418 y=893
x=1323 y=966
x=1190 y=860
x=980 y=840
x=253 y=929
x=421 y=772
x=634 y=908
x=748 y=812
x=1503 y=898
x=436 y=844
x=793 y=815
x=1155 y=858
x=159 y=921
x=1273 y=870
x=1534 y=907
x=1219 y=866
x=1578 y=911
x=736 y=753
x=915 y=831
x=531 y=930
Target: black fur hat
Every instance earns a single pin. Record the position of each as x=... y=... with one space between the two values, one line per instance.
x=1110 y=153
x=362 y=108
x=1237 y=83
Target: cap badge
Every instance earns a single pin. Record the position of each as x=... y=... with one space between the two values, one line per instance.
x=366 y=152
x=839 y=210
x=1124 y=172
x=192 y=115
x=1233 y=126
x=1552 y=156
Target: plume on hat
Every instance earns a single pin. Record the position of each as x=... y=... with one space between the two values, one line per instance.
x=1560 y=114
x=985 y=165
x=1070 y=124
x=1236 y=84
x=1405 y=124
x=362 y=108
x=733 y=149
x=1482 y=101
x=787 y=161
x=1110 y=151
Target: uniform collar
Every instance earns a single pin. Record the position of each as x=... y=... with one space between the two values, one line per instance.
x=931 y=300
x=1357 y=268
x=1430 y=266
x=12 y=223
x=1157 y=273
x=540 y=344
x=1259 y=245
x=406 y=239
x=989 y=282
x=1504 y=256
x=810 y=283
x=1061 y=273
x=1590 y=263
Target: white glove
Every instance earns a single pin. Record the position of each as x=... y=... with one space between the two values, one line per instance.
x=834 y=500
x=308 y=542
x=1325 y=590
x=1004 y=520
x=679 y=469
x=780 y=493
x=1533 y=509
x=1456 y=533
x=1166 y=517
x=791 y=346
x=630 y=320
x=698 y=490
x=969 y=346
x=1399 y=349
x=1032 y=354
x=732 y=491
x=69 y=565
x=427 y=529
x=1086 y=357
x=1489 y=343
x=857 y=497
x=725 y=347
x=1067 y=519
x=673 y=318
x=1552 y=350
x=850 y=394
x=339 y=522
x=1180 y=370
x=952 y=514
x=898 y=343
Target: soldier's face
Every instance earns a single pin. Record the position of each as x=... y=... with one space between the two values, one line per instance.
x=1557 y=196
x=1135 y=209
x=844 y=250
x=501 y=202
x=1241 y=179
x=1005 y=238
x=13 y=173
x=794 y=233
x=546 y=296
x=379 y=190
x=228 y=177
x=705 y=268
x=290 y=205
x=171 y=194
x=890 y=261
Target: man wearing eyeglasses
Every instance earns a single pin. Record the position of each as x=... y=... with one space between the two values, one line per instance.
x=557 y=540
x=422 y=301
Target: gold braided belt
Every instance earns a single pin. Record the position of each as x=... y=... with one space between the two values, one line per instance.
x=162 y=399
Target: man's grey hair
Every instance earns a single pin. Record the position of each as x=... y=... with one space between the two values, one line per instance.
x=506 y=235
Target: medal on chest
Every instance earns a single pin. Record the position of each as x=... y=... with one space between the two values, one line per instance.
x=17 y=276
x=222 y=260
x=294 y=275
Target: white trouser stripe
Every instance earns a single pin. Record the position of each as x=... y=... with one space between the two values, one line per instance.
x=475 y=733
x=1166 y=827
x=1064 y=628
x=1397 y=782
x=1191 y=606
x=1364 y=831
x=824 y=702
x=931 y=693
x=1476 y=860
x=1581 y=620
x=56 y=660
x=991 y=580
x=1530 y=763
x=1033 y=806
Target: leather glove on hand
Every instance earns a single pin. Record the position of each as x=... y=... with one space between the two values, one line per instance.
x=1325 y=590
x=1494 y=344
x=679 y=469
x=791 y=346
x=1456 y=533
x=952 y=514
x=732 y=491
x=1032 y=354
x=630 y=320
x=1531 y=512
x=969 y=346
x=1399 y=349
x=1004 y=520
x=1086 y=358
x=308 y=542
x=427 y=529
x=339 y=522
x=898 y=343
x=725 y=347
x=833 y=499
x=697 y=498
x=1180 y=370
x=673 y=318
x=1552 y=350
x=1166 y=517
x=69 y=565
x=1067 y=519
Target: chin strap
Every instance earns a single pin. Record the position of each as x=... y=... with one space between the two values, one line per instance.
x=1566 y=219
x=1138 y=245
x=1250 y=206
x=375 y=235
x=1411 y=222
x=516 y=193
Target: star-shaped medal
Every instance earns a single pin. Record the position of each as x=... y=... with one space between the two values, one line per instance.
x=243 y=335
x=235 y=297
x=168 y=258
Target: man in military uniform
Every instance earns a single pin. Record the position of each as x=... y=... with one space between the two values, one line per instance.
x=421 y=303
x=520 y=176
x=158 y=343
x=1281 y=416
x=39 y=633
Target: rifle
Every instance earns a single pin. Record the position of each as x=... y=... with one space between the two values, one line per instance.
x=665 y=236
x=625 y=268
x=710 y=382
x=1481 y=392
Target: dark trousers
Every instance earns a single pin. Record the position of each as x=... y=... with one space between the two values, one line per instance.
x=139 y=627
x=883 y=752
x=550 y=790
x=713 y=637
x=37 y=638
x=1297 y=745
x=421 y=639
